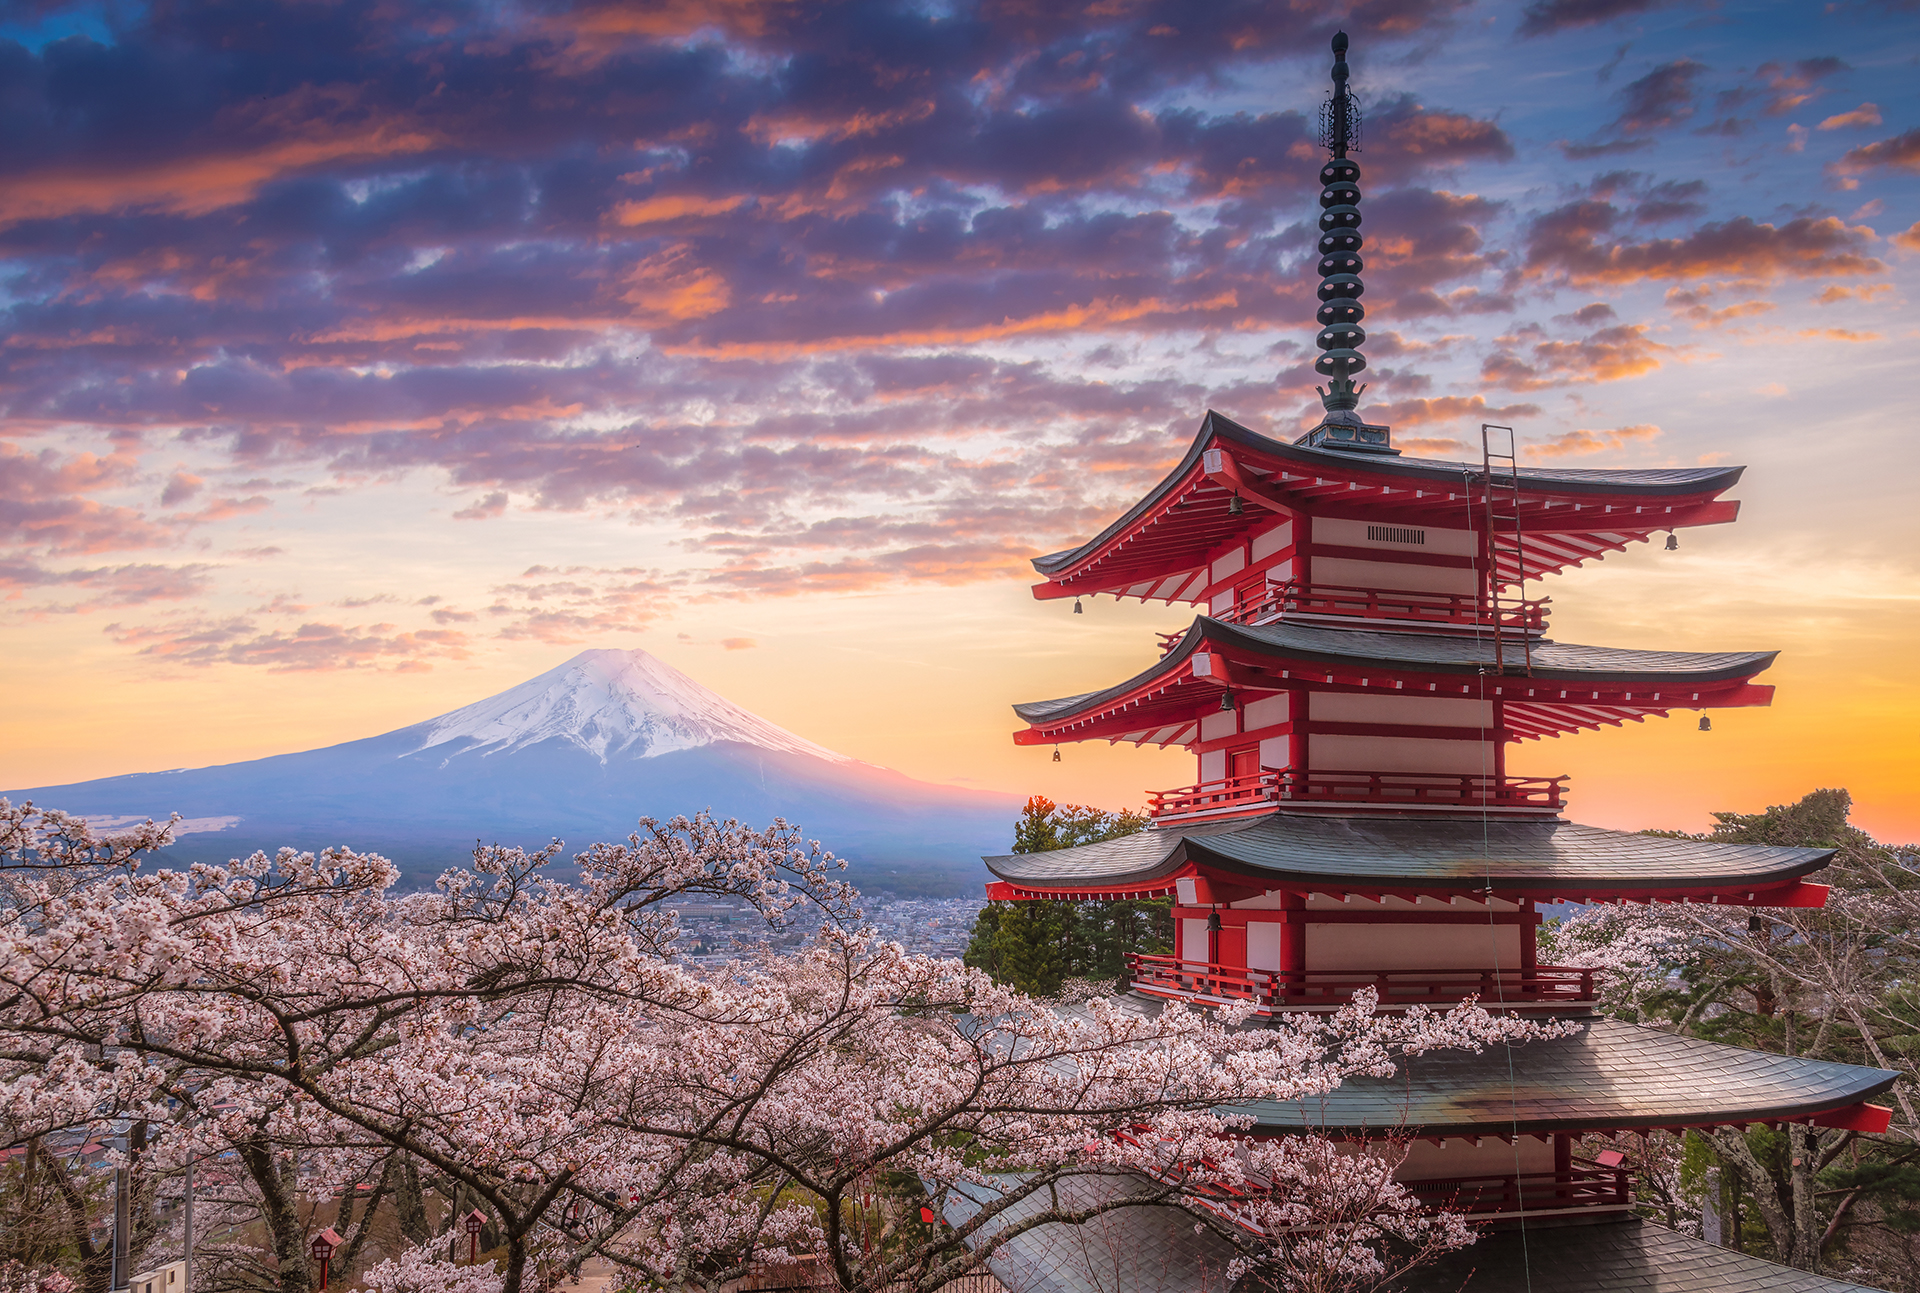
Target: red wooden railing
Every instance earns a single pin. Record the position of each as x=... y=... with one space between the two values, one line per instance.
x=1422 y=788
x=1446 y=609
x=1586 y=1186
x=1225 y=796
x=1255 y=791
x=1183 y=977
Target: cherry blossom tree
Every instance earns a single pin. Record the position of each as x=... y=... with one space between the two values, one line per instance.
x=534 y=1043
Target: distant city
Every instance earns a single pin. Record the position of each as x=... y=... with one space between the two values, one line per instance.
x=717 y=931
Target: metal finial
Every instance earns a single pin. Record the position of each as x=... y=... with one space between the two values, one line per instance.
x=1340 y=264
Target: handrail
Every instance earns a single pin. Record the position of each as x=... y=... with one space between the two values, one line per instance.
x=1423 y=788
x=1418 y=789
x=1186 y=977
x=1227 y=792
x=1378 y=604
x=1580 y=1187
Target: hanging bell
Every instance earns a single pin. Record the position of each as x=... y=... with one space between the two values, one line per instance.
x=1077 y=608
x=1236 y=507
x=1757 y=924
x=1056 y=754
x=1706 y=724
x=1673 y=541
x=1226 y=702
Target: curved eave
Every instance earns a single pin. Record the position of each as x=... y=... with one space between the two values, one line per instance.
x=1671 y=486
x=1387 y=655
x=1613 y=1076
x=1413 y=856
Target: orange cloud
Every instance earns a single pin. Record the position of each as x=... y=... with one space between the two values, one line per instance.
x=1584 y=441
x=676 y=207
x=1866 y=114
x=1909 y=237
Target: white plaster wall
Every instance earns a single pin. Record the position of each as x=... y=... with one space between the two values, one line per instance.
x=1263 y=944
x=1267 y=711
x=1412 y=711
x=1398 y=754
x=1218 y=724
x=1213 y=765
x=1193 y=940
x=1232 y=563
x=1353 y=534
x=1265 y=545
x=1394 y=576
x=1222 y=602
x=1273 y=752
x=1412 y=947
x=1426 y=1161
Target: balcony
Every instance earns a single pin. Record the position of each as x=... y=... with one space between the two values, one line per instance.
x=1424 y=790
x=1274 y=990
x=1390 y=609
x=1269 y=788
x=1587 y=1185
x=1228 y=797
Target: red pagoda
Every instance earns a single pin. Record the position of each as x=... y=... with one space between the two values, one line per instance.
x=1366 y=652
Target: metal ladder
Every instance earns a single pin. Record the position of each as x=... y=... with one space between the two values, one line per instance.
x=1505 y=548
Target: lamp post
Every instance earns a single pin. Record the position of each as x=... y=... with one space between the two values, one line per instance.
x=323 y=1245
x=476 y=1221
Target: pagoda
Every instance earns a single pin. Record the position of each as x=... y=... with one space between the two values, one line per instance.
x=1365 y=653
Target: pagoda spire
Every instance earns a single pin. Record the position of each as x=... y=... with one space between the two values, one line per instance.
x=1341 y=335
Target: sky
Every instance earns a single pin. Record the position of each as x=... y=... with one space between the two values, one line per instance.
x=364 y=359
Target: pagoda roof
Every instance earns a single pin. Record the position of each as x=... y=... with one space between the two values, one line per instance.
x=1354 y=650
x=1375 y=854
x=1619 y=1255
x=1570 y=514
x=1156 y=1248
x=1610 y=1076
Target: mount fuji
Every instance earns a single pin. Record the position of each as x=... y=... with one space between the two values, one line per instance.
x=580 y=752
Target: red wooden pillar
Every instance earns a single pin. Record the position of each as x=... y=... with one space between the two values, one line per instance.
x=1529 y=948
x=1293 y=941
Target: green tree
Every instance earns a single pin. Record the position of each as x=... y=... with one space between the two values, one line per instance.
x=1037 y=945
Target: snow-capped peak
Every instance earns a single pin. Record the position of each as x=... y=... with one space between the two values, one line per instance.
x=610 y=703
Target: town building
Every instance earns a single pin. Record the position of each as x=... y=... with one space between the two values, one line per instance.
x=1368 y=654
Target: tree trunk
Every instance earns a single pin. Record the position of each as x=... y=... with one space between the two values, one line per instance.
x=409 y=1203
x=279 y=1208
x=96 y=1263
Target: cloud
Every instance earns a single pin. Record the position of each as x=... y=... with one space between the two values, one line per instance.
x=1544 y=17
x=1608 y=355
x=1661 y=99
x=1575 y=243
x=1582 y=441
x=312 y=647
x=1909 y=237
x=739 y=644
x=494 y=504
x=1867 y=114
x=128 y=585
x=1901 y=152
x=1447 y=408
x=1789 y=86
x=181 y=486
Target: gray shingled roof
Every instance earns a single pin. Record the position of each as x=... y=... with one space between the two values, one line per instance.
x=1652 y=482
x=1619 y=1256
x=1370 y=852
x=1156 y=1249
x=1150 y=1248
x=1609 y=1075
x=1425 y=652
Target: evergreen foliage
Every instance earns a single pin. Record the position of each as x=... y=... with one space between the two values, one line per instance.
x=1036 y=946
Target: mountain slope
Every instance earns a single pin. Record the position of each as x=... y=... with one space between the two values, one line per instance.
x=580 y=753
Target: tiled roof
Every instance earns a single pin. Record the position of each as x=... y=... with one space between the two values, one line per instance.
x=1609 y=1075
x=1624 y=1256
x=1157 y=1249
x=1150 y=1248
x=1307 y=849
x=1425 y=653
x=1650 y=482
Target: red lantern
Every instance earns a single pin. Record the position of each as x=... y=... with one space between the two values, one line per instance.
x=476 y=1221
x=323 y=1245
